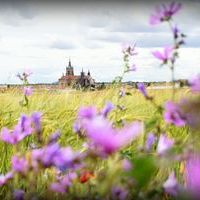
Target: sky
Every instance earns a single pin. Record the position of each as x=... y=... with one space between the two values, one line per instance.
x=40 y=36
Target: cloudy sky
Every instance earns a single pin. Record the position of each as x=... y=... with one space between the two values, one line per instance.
x=42 y=36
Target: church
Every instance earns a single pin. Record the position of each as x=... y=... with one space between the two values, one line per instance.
x=76 y=81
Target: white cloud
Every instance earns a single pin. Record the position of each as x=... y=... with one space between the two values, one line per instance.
x=43 y=38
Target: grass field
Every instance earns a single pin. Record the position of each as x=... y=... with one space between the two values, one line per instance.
x=59 y=110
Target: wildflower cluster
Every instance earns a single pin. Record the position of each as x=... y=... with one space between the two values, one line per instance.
x=129 y=52
x=27 y=90
x=69 y=166
x=170 y=53
x=25 y=127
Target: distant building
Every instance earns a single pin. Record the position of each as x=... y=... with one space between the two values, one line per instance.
x=81 y=81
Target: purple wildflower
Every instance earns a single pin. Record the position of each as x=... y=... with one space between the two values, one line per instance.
x=19 y=76
x=173 y=114
x=27 y=73
x=126 y=165
x=176 y=31
x=164 y=13
x=54 y=137
x=24 y=76
x=191 y=111
x=18 y=195
x=119 y=193
x=24 y=125
x=170 y=185
x=36 y=120
x=28 y=91
x=192 y=174
x=77 y=126
x=195 y=83
x=106 y=110
x=45 y=155
x=67 y=158
x=132 y=68
x=165 y=55
x=142 y=89
x=164 y=144
x=20 y=164
x=5 y=178
x=11 y=137
x=63 y=183
x=129 y=49
x=151 y=138
x=21 y=130
x=54 y=155
x=60 y=187
x=87 y=112
x=107 y=140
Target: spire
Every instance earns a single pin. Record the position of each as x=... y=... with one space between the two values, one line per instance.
x=69 y=69
x=69 y=65
x=82 y=73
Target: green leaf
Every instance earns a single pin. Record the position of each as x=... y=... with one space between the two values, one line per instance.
x=144 y=168
x=150 y=124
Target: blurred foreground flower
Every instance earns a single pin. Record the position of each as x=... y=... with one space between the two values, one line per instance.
x=53 y=155
x=190 y=107
x=36 y=122
x=107 y=109
x=19 y=195
x=164 y=144
x=126 y=165
x=21 y=130
x=119 y=193
x=87 y=112
x=173 y=114
x=165 y=55
x=192 y=175
x=171 y=186
x=28 y=91
x=24 y=127
x=195 y=83
x=20 y=164
x=164 y=13
x=151 y=138
x=63 y=183
x=5 y=178
x=107 y=140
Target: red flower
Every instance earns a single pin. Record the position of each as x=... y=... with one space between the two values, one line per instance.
x=86 y=176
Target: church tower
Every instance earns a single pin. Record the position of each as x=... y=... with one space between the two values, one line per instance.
x=69 y=69
x=82 y=73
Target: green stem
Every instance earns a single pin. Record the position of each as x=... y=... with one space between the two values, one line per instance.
x=172 y=62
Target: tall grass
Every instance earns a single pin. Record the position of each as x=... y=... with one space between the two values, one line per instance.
x=59 y=109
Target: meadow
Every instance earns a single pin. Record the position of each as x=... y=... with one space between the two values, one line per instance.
x=59 y=111
x=59 y=108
